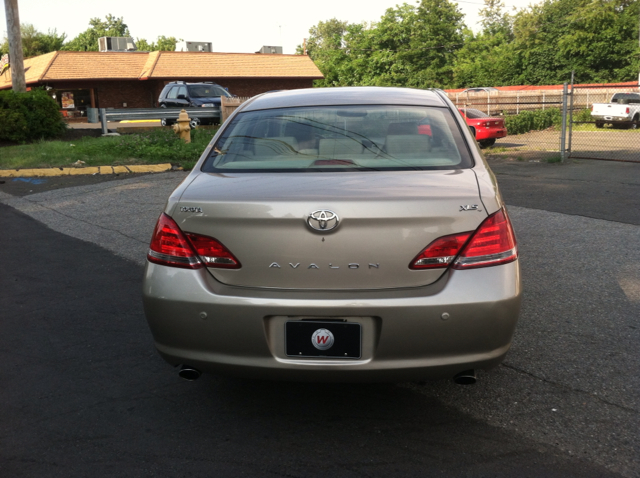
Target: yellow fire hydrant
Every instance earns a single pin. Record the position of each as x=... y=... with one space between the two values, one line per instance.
x=182 y=127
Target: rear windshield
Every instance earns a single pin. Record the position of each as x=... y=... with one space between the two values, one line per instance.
x=339 y=138
x=474 y=114
x=207 y=91
x=625 y=98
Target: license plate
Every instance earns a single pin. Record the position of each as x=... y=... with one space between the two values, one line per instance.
x=311 y=338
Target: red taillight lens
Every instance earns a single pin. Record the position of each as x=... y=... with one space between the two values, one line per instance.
x=440 y=252
x=628 y=110
x=492 y=244
x=171 y=247
x=212 y=252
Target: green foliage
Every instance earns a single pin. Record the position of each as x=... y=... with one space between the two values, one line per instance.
x=88 y=40
x=29 y=116
x=162 y=44
x=161 y=145
x=428 y=45
x=36 y=43
x=533 y=120
x=146 y=147
x=582 y=116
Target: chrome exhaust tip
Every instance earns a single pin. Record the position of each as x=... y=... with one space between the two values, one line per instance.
x=189 y=373
x=468 y=377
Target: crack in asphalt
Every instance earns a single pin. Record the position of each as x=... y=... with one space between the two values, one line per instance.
x=577 y=390
x=83 y=220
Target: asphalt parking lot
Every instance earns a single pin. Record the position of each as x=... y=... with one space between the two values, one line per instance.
x=85 y=394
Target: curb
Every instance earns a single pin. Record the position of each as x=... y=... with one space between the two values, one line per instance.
x=27 y=173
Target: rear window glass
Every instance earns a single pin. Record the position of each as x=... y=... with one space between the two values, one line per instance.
x=207 y=91
x=474 y=114
x=340 y=138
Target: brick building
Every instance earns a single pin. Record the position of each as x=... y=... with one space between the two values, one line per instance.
x=135 y=79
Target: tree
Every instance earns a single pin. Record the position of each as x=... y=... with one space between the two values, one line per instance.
x=488 y=58
x=36 y=43
x=88 y=40
x=596 y=38
x=162 y=44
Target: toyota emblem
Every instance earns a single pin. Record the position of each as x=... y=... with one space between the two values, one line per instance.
x=322 y=339
x=323 y=220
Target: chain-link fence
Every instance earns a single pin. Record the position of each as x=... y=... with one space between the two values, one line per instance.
x=604 y=123
x=534 y=122
x=529 y=116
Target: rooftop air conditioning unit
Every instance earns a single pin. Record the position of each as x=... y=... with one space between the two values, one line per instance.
x=194 y=46
x=271 y=49
x=116 y=44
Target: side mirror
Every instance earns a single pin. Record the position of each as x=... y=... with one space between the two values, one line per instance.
x=182 y=97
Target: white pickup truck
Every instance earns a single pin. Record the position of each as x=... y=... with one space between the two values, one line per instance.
x=622 y=112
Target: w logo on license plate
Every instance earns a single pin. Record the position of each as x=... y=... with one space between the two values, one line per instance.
x=322 y=339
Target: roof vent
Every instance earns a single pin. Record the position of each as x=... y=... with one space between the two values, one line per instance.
x=271 y=49
x=194 y=46
x=116 y=44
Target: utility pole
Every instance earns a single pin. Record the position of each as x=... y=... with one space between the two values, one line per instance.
x=16 y=59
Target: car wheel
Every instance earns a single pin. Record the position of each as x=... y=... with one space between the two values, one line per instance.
x=599 y=124
x=194 y=123
x=473 y=131
x=485 y=143
x=163 y=122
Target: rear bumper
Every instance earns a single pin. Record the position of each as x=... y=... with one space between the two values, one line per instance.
x=612 y=119
x=488 y=133
x=197 y=321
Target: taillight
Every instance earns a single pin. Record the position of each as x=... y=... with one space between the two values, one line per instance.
x=171 y=247
x=628 y=110
x=440 y=252
x=493 y=243
x=212 y=252
x=487 y=124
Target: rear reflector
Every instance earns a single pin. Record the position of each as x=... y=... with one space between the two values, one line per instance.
x=440 y=252
x=492 y=244
x=212 y=252
x=171 y=247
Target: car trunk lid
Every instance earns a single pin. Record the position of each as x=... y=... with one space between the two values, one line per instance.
x=384 y=220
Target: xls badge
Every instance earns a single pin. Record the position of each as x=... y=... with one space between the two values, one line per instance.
x=322 y=339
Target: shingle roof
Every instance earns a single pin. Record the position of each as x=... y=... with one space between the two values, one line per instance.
x=230 y=65
x=34 y=68
x=73 y=65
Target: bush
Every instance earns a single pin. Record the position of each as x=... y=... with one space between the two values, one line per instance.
x=29 y=116
x=533 y=120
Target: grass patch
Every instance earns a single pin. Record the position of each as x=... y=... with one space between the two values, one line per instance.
x=148 y=147
x=554 y=159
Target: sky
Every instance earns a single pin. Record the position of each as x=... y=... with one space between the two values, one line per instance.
x=238 y=26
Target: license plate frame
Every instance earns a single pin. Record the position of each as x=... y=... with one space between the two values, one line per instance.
x=347 y=339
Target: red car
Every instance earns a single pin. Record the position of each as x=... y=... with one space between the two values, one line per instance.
x=485 y=128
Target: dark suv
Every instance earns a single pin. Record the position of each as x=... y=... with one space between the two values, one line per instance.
x=179 y=94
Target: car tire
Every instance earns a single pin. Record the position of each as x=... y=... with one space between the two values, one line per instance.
x=163 y=122
x=485 y=143
x=599 y=124
x=194 y=123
